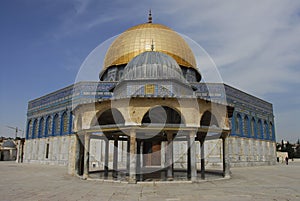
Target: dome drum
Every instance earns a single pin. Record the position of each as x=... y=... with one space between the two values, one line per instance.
x=114 y=73
x=152 y=88
x=152 y=73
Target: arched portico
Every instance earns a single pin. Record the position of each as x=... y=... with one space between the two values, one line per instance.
x=110 y=116
x=149 y=141
x=208 y=119
x=162 y=115
x=210 y=129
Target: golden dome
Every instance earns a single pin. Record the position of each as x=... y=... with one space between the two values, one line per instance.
x=145 y=37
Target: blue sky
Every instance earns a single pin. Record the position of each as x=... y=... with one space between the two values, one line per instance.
x=255 y=45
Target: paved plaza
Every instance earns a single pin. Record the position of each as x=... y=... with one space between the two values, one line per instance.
x=41 y=182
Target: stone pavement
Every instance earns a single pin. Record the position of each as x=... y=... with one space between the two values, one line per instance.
x=42 y=182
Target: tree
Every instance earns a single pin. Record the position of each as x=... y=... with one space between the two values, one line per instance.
x=278 y=147
x=290 y=150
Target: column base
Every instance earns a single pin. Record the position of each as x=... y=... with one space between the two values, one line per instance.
x=132 y=181
x=194 y=179
x=85 y=177
x=226 y=176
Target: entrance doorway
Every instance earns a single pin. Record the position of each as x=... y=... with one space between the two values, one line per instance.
x=152 y=153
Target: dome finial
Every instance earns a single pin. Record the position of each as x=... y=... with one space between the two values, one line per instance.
x=150 y=17
x=152 y=46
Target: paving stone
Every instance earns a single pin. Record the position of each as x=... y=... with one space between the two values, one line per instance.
x=44 y=182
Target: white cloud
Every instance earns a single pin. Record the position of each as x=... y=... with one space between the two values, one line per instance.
x=255 y=44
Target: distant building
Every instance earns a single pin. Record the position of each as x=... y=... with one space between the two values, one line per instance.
x=8 y=151
x=150 y=102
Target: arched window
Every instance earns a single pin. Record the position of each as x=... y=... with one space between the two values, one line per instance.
x=246 y=126
x=271 y=130
x=259 y=129
x=64 y=120
x=71 y=118
x=253 y=127
x=35 y=129
x=208 y=119
x=55 y=125
x=162 y=115
x=41 y=128
x=266 y=130
x=238 y=124
x=48 y=126
x=109 y=117
x=120 y=74
x=29 y=129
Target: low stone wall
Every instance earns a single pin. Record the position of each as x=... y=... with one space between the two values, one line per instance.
x=251 y=152
x=59 y=147
x=61 y=151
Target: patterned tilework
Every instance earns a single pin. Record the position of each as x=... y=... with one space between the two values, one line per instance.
x=259 y=122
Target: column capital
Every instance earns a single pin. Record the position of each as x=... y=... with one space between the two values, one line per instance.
x=169 y=135
x=192 y=133
x=132 y=132
x=116 y=137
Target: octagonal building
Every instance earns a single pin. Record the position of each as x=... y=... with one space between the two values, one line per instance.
x=149 y=117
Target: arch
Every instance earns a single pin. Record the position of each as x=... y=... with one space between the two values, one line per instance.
x=55 y=129
x=29 y=130
x=238 y=124
x=266 y=130
x=108 y=117
x=272 y=133
x=208 y=119
x=246 y=126
x=252 y=123
x=162 y=115
x=41 y=128
x=71 y=118
x=259 y=130
x=64 y=123
x=48 y=126
x=34 y=129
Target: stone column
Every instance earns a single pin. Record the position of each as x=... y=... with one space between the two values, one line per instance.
x=132 y=165
x=77 y=155
x=141 y=161
x=128 y=156
x=138 y=160
x=86 y=155
x=192 y=149
x=163 y=154
x=18 y=151
x=169 y=156
x=22 y=151
x=115 y=159
x=226 y=165
x=202 y=158
x=188 y=157
x=106 y=154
